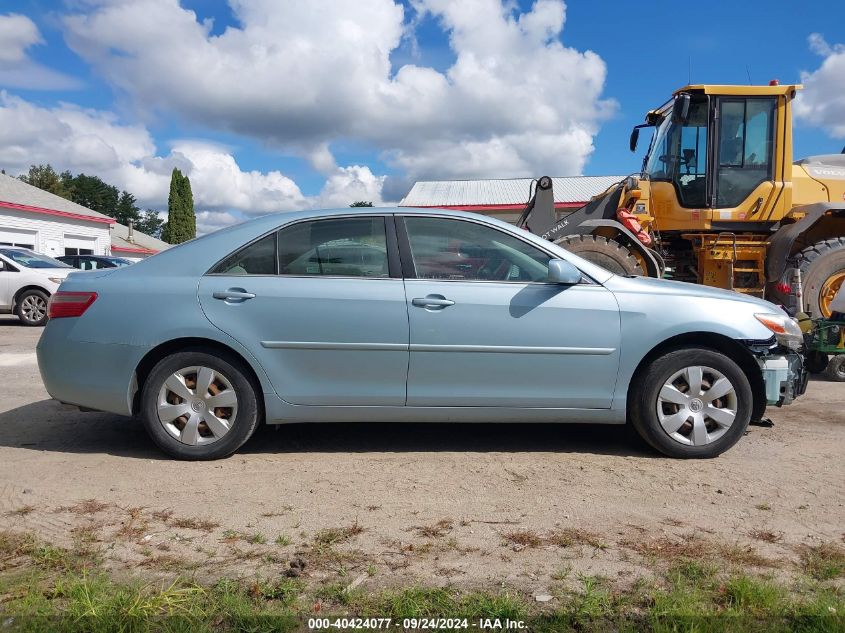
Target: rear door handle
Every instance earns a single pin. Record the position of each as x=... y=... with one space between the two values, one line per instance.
x=233 y=294
x=432 y=301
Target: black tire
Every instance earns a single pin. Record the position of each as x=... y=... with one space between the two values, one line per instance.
x=605 y=252
x=648 y=382
x=836 y=368
x=24 y=305
x=245 y=422
x=818 y=263
x=815 y=362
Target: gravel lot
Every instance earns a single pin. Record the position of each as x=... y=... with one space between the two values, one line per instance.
x=461 y=504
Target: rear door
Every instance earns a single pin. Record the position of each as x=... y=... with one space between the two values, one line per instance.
x=487 y=330
x=321 y=305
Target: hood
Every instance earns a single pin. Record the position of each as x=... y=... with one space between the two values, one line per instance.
x=649 y=285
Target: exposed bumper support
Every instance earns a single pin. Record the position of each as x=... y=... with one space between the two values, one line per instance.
x=784 y=376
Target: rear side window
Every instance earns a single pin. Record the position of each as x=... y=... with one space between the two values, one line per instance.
x=258 y=258
x=345 y=247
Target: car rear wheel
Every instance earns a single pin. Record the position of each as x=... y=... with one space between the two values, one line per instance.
x=691 y=403
x=198 y=406
x=32 y=308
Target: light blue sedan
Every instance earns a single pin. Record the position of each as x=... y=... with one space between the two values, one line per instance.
x=397 y=315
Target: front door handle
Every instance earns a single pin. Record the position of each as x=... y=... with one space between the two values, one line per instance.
x=234 y=294
x=432 y=301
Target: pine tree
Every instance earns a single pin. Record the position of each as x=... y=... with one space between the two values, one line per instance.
x=127 y=211
x=181 y=223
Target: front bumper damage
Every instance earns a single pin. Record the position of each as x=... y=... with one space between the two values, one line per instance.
x=784 y=375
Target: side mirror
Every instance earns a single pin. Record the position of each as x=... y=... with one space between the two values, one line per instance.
x=680 y=109
x=635 y=136
x=562 y=272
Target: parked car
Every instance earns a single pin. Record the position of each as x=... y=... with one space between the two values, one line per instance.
x=398 y=315
x=93 y=262
x=27 y=280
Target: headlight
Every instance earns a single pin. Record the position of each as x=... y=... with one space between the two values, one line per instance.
x=56 y=280
x=785 y=328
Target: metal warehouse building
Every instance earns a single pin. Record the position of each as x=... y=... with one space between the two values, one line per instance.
x=504 y=198
x=49 y=224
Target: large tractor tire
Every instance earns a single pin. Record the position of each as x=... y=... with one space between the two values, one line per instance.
x=822 y=268
x=603 y=251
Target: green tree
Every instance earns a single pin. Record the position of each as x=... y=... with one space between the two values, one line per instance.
x=92 y=192
x=127 y=211
x=150 y=223
x=181 y=223
x=361 y=203
x=45 y=177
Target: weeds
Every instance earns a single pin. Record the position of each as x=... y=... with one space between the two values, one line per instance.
x=21 y=512
x=823 y=562
x=202 y=525
x=566 y=537
x=333 y=536
x=438 y=530
x=89 y=506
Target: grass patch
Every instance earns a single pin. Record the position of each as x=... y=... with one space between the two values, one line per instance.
x=823 y=562
x=88 y=506
x=21 y=512
x=690 y=595
x=333 y=536
x=566 y=537
x=437 y=530
x=203 y=525
x=695 y=548
x=766 y=535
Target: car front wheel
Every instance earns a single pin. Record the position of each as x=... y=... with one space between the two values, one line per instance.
x=691 y=403
x=197 y=405
x=32 y=308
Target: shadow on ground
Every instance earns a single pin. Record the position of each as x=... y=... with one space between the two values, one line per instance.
x=48 y=426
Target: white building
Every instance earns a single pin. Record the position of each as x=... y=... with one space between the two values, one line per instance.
x=49 y=224
x=504 y=198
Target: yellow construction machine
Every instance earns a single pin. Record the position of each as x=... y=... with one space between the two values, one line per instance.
x=718 y=201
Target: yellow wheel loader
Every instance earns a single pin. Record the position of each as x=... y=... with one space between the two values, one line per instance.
x=718 y=201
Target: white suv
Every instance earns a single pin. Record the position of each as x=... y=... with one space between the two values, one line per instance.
x=27 y=280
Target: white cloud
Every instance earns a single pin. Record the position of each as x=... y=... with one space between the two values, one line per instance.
x=17 y=34
x=301 y=74
x=95 y=142
x=822 y=103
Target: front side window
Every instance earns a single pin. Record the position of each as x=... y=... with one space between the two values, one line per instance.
x=443 y=248
x=679 y=154
x=343 y=247
x=258 y=258
x=746 y=135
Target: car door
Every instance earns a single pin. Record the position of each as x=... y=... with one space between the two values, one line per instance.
x=321 y=305
x=7 y=285
x=487 y=330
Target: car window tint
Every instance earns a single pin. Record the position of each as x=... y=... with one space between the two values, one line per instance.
x=258 y=258
x=345 y=247
x=443 y=248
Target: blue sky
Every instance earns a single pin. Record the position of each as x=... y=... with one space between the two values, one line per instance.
x=648 y=50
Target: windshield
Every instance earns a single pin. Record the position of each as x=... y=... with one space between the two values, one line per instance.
x=28 y=259
x=678 y=154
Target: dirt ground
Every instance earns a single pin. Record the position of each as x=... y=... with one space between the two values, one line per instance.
x=468 y=505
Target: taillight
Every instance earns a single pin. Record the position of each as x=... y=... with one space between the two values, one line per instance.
x=70 y=304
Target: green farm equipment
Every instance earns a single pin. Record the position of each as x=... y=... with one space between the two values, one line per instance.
x=824 y=348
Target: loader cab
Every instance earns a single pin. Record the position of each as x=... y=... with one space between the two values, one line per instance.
x=719 y=148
